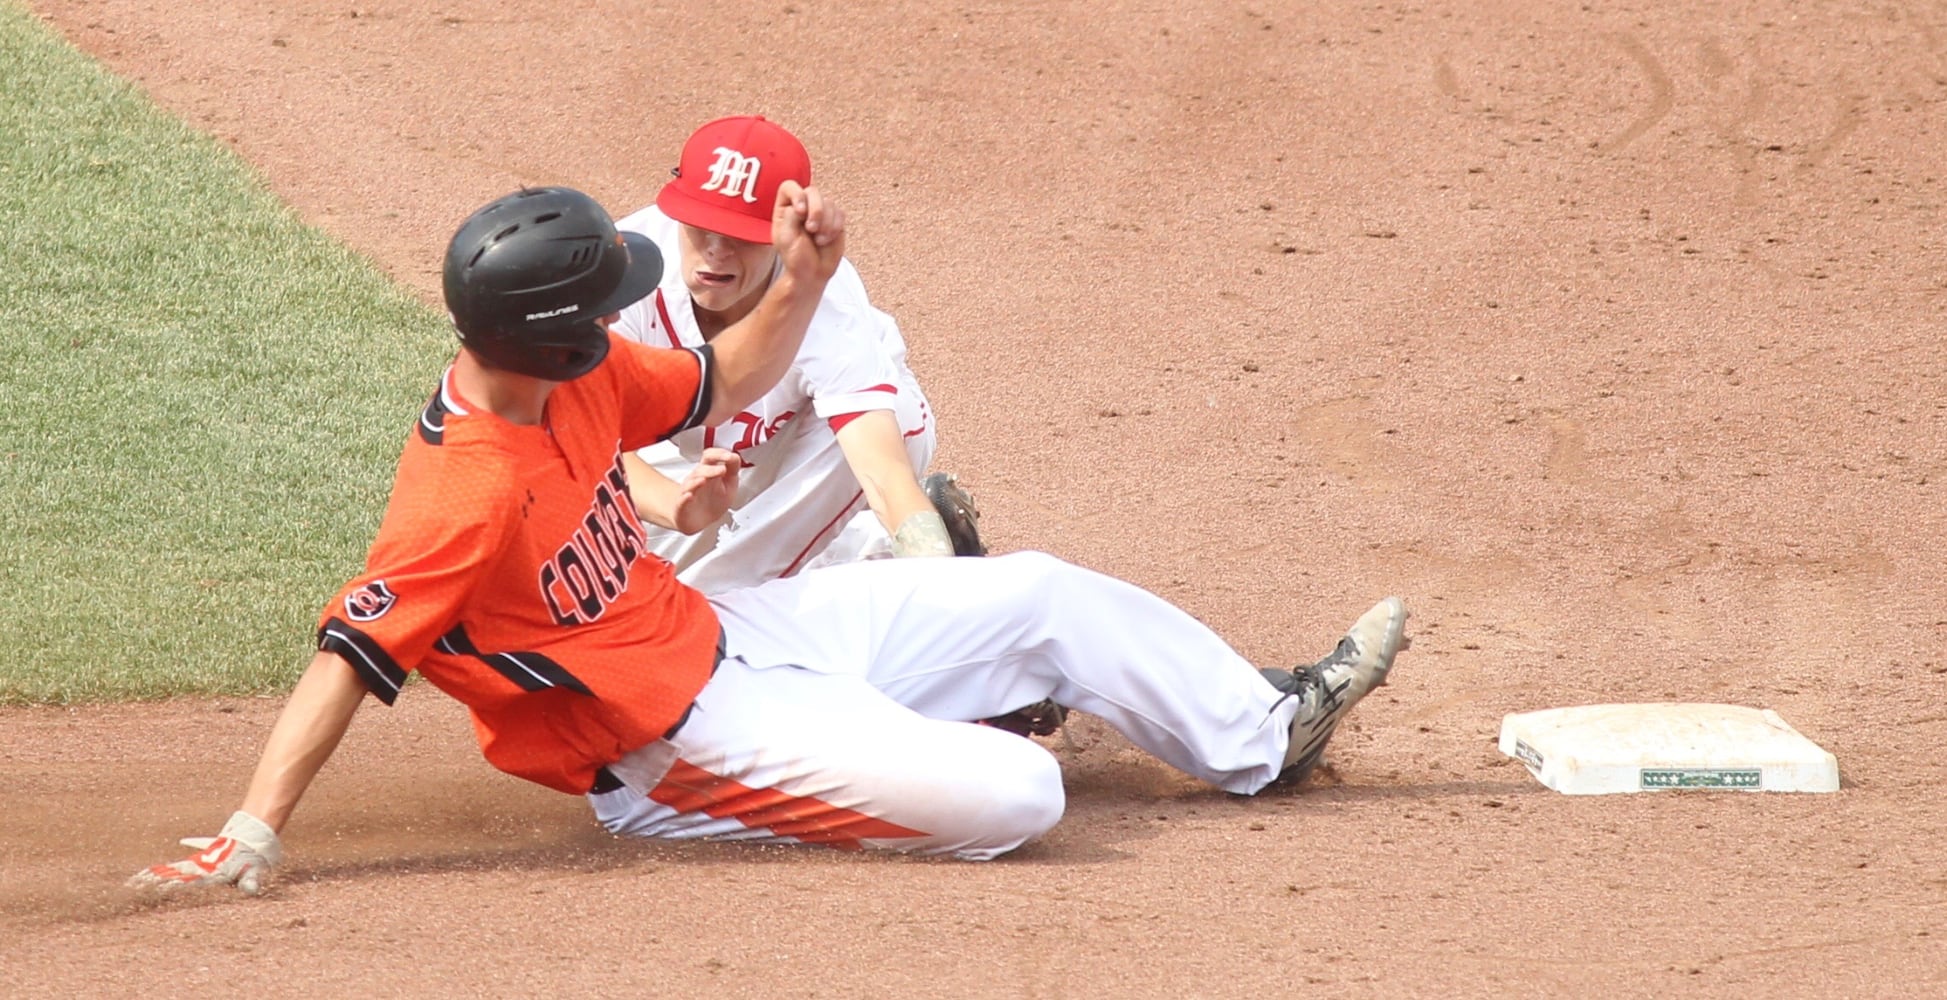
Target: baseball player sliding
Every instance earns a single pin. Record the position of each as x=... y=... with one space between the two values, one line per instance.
x=844 y=429
x=828 y=707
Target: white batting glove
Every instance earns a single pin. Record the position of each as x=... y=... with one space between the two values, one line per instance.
x=239 y=856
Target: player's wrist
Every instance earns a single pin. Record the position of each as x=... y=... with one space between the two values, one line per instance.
x=256 y=835
x=922 y=534
x=793 y=289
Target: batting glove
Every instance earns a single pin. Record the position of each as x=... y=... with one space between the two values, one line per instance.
x=239 y=856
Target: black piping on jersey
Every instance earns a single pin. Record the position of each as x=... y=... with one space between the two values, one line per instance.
x=706 y=359
x=528 y=671
x=373 y=664
x=432 y=420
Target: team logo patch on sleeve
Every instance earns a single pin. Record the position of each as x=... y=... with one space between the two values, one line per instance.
x=368 y=602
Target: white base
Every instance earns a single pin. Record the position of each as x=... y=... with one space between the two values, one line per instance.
x=1603 y=749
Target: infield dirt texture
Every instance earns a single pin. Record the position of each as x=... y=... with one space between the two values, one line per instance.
x=1607 y=334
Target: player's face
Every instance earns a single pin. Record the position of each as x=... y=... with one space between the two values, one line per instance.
x=725 y=275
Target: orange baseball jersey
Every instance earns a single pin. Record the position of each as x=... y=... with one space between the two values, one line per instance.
x=510 y=571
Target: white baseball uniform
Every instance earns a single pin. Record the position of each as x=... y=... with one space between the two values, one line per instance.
x=798 y=503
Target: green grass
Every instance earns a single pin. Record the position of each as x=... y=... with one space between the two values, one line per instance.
x=201 y=398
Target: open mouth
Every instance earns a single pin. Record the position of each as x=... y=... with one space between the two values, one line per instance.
x=715 y=279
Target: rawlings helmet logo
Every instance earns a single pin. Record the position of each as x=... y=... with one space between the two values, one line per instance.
x=369 y=602
x=734 y=175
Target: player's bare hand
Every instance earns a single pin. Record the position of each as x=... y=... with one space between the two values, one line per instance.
x=707 y=491
x=808 y=230
x=240 y=855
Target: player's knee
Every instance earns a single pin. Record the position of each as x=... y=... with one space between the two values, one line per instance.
x=1038 y=582
x=1027 y=804
x=1036 y=572
x=1040 y=799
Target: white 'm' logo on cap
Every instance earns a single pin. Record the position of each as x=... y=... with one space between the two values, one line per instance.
x=734 y=175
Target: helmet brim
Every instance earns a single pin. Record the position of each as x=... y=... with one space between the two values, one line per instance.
x=644 y=273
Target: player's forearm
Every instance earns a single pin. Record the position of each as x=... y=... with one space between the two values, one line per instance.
x=306 y=733
x=895 y=500
x=875 y=449
x=754 y=353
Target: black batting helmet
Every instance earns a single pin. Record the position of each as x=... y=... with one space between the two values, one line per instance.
x=529 y=275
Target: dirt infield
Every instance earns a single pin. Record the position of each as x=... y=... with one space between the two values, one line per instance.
x=1606 y=334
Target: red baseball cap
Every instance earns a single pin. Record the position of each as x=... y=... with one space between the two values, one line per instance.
x=728 y=178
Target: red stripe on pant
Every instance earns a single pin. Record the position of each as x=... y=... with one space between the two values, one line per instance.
x=688 y=788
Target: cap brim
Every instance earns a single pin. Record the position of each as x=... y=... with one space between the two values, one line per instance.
x=691 y=211
x=644 y=274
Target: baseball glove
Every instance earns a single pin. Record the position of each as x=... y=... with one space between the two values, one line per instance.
x=957 y=509
x=1039 y=719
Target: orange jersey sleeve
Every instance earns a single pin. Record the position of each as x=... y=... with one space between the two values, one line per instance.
x=661 y=390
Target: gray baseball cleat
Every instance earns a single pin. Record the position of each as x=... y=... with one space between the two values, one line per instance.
x=1328 y=689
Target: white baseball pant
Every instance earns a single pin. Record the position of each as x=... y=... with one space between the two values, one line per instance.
x=839 y=715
